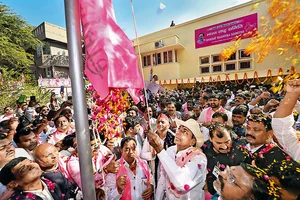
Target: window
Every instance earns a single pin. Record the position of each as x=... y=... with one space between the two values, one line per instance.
x=216 y=58
x=204 y=70
x=232 y=57
x=230 y=66
x=154 y=59
x=245 y=65
x=175 y=56
x=165 y=57
x=147 y=60
x=217 y=68
x=158 y=58
x=243 y=55
x=48 y=72
x=204 y=60
x=170 y=56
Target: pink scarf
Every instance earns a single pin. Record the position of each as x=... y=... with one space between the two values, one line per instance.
x=57 y=135
x=122 y=171
x=181 y=161
x=209 y=113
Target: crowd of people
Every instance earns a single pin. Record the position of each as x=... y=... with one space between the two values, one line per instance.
x=199 y=143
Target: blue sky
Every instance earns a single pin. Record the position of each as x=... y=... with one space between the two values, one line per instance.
x=148 y=18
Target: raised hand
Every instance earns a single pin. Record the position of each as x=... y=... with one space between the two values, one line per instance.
x=154 y=141
x=265 y=95
x=148 y=192
x=293 y=86
x=121 y=182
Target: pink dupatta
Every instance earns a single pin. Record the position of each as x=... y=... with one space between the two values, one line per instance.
x=122 y=171
x=209 y=113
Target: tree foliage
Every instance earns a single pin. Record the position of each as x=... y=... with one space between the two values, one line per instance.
x=16 y=42
x=280 y=32
x=11 y=87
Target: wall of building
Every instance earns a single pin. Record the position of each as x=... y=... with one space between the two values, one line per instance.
x=188 y=65
x=58 y=49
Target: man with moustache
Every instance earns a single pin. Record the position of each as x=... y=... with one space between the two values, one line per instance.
x=133 y=180
x=259 y=144
x=239 y=116
x=7 y=153
x=239 y=99
x=167 y=139
x=221 y=151
x=183 y=170
x=26 y=139
x=24 y=177
x=245 y=182
x=173 y=114
x=197 y=110
x=206 y=114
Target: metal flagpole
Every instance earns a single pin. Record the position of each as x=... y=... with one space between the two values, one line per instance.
x=72 y=13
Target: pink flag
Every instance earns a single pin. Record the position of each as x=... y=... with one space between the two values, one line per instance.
x=111 y=60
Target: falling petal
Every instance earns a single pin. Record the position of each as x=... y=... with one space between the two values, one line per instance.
x=254 y=6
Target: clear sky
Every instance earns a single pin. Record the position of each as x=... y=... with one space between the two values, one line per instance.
x=149 y=17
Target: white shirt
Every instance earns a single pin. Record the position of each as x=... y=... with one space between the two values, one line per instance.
x=192 y=175
x=252 y=150
x=44 y=135
x=137 y=183
x=286 y=135
x=44 y=193
x=20 y=152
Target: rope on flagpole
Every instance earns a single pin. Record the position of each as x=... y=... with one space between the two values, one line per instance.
x=140 y=58
x=145 y=89
x=139 y=51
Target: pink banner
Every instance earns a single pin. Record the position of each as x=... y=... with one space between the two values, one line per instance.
x=244 y=27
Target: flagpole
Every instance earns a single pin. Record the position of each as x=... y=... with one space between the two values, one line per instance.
x=72 y=13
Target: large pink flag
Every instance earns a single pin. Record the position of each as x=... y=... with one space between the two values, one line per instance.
x=111 y=60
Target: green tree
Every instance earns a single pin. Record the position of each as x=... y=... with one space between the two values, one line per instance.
x=12 y=87
x=17 y=43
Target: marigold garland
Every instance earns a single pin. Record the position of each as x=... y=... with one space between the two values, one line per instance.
x=106 y=113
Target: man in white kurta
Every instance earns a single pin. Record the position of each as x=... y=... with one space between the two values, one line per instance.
x=283 y=120
x=183 y=171
x=133 y=181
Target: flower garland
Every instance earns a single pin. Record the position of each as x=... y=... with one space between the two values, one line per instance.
x=106 y=112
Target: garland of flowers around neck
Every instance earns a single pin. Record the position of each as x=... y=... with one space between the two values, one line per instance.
x=106 y=112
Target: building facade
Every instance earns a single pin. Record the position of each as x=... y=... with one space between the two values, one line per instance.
x=51 y=58
x=190 y=52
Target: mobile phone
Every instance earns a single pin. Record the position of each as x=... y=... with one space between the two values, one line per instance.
x=69 y=97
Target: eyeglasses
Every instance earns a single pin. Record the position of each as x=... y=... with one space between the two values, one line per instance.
x=45 y=110
x=8 y=109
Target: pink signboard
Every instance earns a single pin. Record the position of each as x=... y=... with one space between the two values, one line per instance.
x=227 y=31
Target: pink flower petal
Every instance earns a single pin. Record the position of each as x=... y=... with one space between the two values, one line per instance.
x=186 y=187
